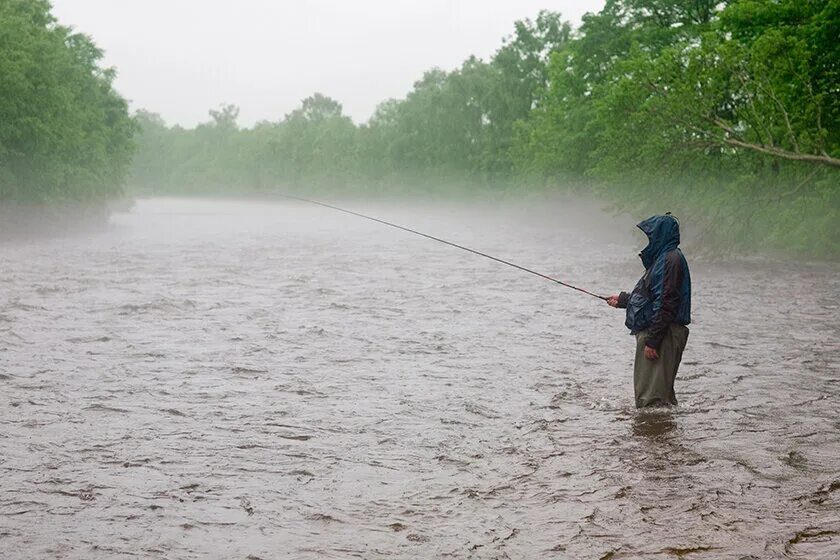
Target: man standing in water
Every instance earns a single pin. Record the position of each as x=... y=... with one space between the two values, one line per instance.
x=658 y=310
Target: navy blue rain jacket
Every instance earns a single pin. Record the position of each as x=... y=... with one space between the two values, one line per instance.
x=663 y=294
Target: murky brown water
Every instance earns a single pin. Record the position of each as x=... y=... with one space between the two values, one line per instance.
x=241 y=380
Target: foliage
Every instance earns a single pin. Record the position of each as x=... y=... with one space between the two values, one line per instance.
x=727 y=112
x=457 y=125
x=64 y=133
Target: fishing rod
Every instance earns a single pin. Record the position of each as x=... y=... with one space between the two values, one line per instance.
x=445 y=242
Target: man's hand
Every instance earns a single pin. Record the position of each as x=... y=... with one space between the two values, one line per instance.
x=612 y=301
x=651 y=353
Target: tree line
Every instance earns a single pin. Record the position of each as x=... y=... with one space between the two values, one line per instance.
x=456 y=126
x=725 y=110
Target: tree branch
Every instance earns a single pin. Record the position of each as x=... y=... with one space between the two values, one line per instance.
x=750 y=99
x=804 y=182
x=734 y=139
x=791 y=133
x=828 y=161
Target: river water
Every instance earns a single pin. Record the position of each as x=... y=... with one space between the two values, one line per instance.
x=223 y=379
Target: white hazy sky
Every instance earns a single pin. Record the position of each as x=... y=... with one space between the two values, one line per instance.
x=180 y=58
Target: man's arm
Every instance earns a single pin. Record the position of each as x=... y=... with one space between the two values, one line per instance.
x=670 y=300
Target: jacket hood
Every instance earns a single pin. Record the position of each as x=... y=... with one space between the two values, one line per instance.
x=663 y=233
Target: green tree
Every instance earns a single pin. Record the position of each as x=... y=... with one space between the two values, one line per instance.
x=727 y=110
x=64 y=132
x=522 y=75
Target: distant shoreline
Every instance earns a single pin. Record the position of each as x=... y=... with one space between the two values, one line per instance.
x=36 y=220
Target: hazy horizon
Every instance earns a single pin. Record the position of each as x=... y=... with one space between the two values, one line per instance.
x=265 y=57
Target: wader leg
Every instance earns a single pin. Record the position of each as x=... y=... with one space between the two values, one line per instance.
x=653 y=380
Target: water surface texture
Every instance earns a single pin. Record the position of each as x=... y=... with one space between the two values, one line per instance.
x=221 y=379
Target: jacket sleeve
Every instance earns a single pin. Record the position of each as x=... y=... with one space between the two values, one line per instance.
x=670 y=300
x=623 y=298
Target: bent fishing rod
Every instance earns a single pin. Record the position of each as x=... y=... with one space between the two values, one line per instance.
x=444 y=241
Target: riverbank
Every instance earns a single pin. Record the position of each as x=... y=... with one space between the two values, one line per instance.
x=31 y=220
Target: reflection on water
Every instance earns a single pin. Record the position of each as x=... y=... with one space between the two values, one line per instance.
x=656 y=424
x=241 y=380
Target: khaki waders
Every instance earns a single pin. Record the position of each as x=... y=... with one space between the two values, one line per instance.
x=653 y=380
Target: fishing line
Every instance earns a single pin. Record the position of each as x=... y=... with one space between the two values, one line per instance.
x=445 y=242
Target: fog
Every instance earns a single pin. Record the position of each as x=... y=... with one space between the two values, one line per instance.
x=181 y=58
x=371 y=279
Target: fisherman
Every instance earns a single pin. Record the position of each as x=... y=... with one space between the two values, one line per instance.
x=658 y=310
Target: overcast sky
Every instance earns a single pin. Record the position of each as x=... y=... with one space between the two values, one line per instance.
x=180 y=58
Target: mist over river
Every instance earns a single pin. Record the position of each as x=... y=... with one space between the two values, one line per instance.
x=262 y=379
